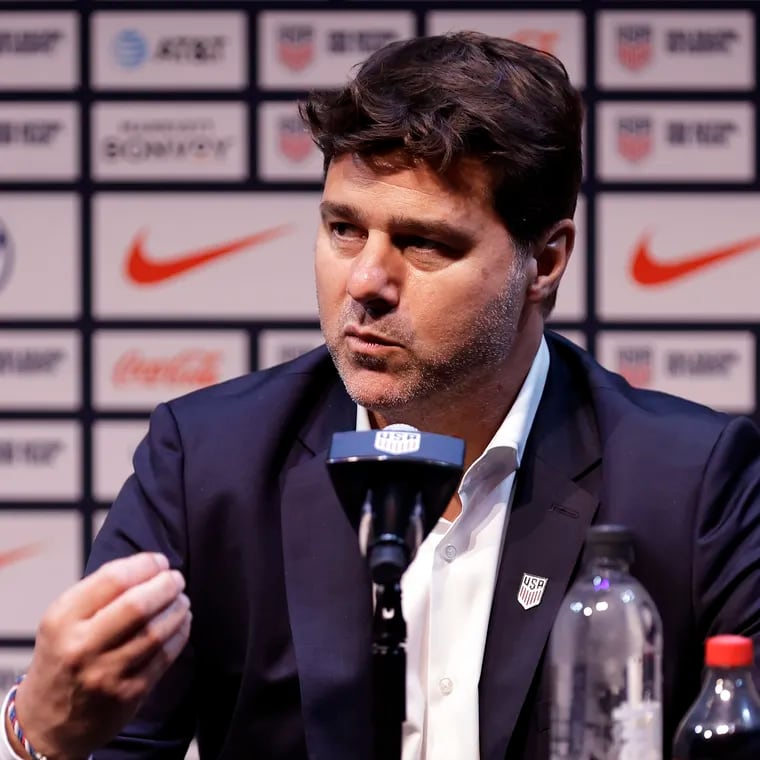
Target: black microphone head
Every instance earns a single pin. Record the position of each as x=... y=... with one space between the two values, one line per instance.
x=394 y=470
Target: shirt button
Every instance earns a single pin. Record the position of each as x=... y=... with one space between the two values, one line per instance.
x=450 y=552
x=447 y=686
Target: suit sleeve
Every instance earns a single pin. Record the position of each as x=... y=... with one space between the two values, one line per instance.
x=149 y=515
x=726 y=584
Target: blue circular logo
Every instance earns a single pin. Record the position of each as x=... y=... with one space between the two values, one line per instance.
x=6 y=255
x=130 y=48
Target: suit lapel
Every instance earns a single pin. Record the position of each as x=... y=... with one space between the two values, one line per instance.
x=328 y=589
x=328 y=593
x=555 y=502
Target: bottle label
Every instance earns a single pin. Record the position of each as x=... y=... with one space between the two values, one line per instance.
x=638 y=731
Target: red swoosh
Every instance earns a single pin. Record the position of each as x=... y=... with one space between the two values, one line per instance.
x=647 y=270
x=12 y=556
x=143 y=270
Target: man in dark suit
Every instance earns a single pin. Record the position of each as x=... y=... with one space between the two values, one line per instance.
x=453 y=167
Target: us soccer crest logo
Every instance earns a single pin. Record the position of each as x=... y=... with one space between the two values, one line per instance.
x=531 y=590
x=397 y=441
x=634 y=138
x=635 y=365
x=293 y=139
x=295 y=46
x=634 y=46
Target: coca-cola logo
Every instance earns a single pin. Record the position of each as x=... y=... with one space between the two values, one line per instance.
x=193 y=367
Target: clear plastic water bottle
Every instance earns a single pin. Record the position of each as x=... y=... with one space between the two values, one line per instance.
x=606 y=659
x=724 y=721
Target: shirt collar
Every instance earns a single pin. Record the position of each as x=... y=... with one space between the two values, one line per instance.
x=515 y=428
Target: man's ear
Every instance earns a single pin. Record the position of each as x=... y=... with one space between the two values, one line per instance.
x=551 y=254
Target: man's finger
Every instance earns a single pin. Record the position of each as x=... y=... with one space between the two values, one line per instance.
x=169 y=652
x=139 y=650
x=85 y=598
x=121 y=618
x=146 y=678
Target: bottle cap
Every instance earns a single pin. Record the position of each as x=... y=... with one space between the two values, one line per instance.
x=728 y=651
x=610 y=541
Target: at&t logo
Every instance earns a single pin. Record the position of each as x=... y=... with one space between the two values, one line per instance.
x=130 y=48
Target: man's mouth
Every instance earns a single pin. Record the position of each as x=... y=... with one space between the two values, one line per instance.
x=369 y=344
x=357 y=337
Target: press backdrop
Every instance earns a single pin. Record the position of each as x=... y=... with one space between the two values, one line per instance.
x=137 y=137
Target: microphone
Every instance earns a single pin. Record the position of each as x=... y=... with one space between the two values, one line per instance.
x=394 y=485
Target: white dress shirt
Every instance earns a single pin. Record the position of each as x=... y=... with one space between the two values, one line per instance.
x=448 y=587
x=447 y=591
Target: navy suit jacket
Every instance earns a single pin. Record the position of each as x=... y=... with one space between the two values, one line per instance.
x=231 y=484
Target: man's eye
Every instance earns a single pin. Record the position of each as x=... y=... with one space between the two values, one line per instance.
x=345 y=230
x=424 y=244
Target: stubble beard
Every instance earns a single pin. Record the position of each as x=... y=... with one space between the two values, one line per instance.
x=439 y=378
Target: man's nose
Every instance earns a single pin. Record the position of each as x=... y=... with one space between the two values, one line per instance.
x=375 y=277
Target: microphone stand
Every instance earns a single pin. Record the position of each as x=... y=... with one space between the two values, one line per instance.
x=389 y=672
x=393 y=495
x=390 y=532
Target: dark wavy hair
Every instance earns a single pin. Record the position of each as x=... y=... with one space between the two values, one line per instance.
x=465 y=95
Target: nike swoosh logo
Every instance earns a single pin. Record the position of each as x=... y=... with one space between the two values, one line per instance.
x=647 y=270
x=11 y=556
x=143 y=270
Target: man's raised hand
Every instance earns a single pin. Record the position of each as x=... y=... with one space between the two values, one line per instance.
x=100 y=649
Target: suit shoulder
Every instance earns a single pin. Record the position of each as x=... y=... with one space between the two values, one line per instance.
x=261 y=387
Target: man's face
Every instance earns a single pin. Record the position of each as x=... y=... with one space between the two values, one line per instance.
x=419 y=286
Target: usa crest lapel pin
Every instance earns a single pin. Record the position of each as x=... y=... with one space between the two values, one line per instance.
x=531 y=590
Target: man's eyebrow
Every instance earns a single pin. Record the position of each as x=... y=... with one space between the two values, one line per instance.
x=438 y=230
x=343 y=210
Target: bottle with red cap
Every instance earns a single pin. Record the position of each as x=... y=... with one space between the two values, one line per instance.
x=724 y=722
